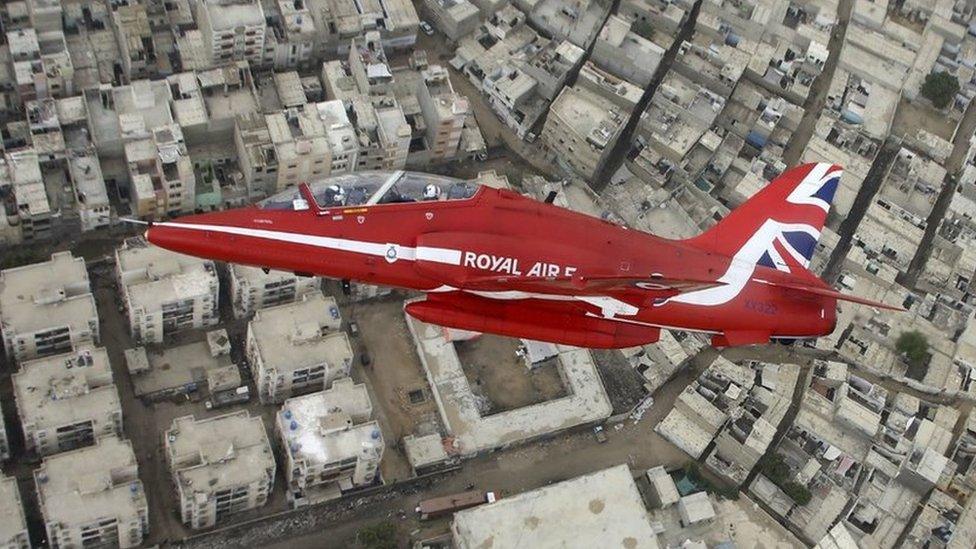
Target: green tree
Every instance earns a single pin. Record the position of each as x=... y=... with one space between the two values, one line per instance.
x=381 y=535
x=797 y=492
x=940 y=88
x=914 y=346
x=775 y=468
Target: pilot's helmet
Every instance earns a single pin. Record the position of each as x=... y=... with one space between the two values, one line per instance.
x=338 y=194
x=432 y=192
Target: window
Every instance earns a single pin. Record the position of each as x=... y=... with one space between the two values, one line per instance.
x=376 y=188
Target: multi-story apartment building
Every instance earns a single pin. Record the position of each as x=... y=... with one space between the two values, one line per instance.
x=67 y=401
x=20 y=177
x=137 y=47
x=256 y=155
x=444 y=112
x=300 y=145
x=252 y=289
x=339 y=21
x=329 y=439
x=296 y=347
x=581 y=130
x=88 y=183
x=41 y=64
x=383 y=132
x=161 y=175
x=92 y=497
x=220 y=465
x=232 y=30
x=47 y=308
x=13 y=527
x=368 y=65
x=164 y=292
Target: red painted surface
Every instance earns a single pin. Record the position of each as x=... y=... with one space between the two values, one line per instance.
x=502 y=263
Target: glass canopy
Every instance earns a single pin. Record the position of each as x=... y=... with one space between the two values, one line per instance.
x=367 y=188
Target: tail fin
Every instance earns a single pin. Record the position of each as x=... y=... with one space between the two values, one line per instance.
x=780 y=225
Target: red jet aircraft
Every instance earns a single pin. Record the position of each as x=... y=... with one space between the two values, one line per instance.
x=495 y=261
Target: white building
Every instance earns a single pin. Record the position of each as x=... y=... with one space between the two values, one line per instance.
x=164 y=292
x=581 y=130
x=89 y=187
x=13 y=524
x=251 y=288
x=232 y=30
x=368 y=65
x=137 y=48
x=343 y=141
x=220 y=465
x=625 y=53
x=455 y=18
x=444 y=112
x=383 y=133
x=41 y=64
x=601 y=509
x=256 y=153
x=161 y=178
x=67 y=401
x=47 y=308
x=329 y=439
x=300 y=146
x=92 y=497
x=291 y=39
x=21 y=172
x=296 y=347
x=339 y=21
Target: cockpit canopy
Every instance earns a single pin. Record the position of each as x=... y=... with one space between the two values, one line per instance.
x=367 y=188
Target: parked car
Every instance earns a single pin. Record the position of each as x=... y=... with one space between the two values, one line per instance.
x=600 y=434
x=426 y=28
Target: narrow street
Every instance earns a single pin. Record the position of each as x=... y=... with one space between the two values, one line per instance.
x=960 y=146
x=818 y=91
x=865 y=195
x=617 y=155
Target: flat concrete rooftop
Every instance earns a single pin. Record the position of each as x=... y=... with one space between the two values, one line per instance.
x=585 y=402
x=301 y=334
x=601 y=509
x=211 y=454
x=12 y=521
x=42 y=295
x=66 y=388
x=173 y=367
x=90 y=483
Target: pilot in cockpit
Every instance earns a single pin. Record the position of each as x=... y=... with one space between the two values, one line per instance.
x=432 y=192
x=335 y=195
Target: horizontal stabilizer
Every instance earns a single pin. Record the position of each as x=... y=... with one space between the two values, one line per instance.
x=827 y=292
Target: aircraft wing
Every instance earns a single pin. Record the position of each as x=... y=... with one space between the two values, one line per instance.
x=585 y=284
x=828 y=292
x=562 y=322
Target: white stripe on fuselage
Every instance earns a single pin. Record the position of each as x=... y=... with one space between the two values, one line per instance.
x=609 y=306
